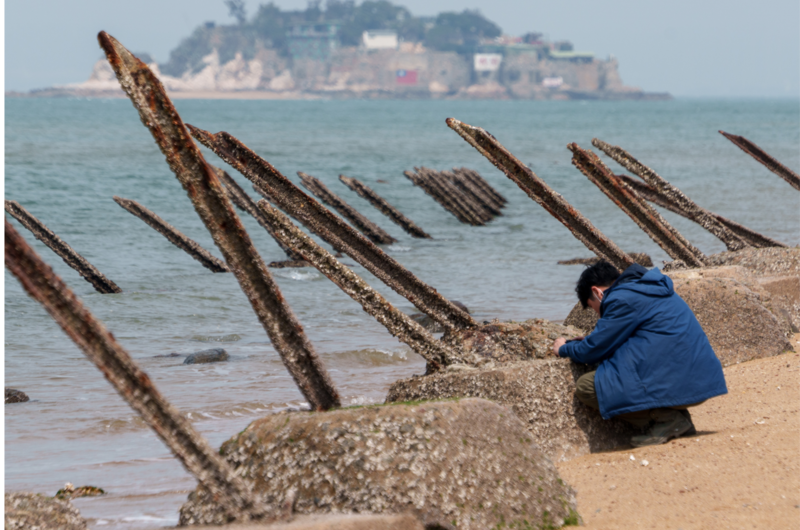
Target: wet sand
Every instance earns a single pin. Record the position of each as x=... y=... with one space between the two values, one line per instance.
x=739 y=471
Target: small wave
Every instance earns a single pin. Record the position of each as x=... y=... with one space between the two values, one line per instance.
x=297 y=275
x=374 y=357
x=363 y=400
x=399 y=248
x=233 y=337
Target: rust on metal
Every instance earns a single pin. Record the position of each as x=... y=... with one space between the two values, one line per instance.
x=384 y=207
x=698 y=214
x=89 y=273
x=398 y=323
x=642 y=214
x=480 y=182
x=759 y=154
x=243 y=201
x=332 y=229
x=375 y=233
x=212 y=205
x=135 y=387
x=539 y=191
x=173 y=235
x=752 y=237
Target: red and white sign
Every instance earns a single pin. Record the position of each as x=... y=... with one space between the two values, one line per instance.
x=487 y=62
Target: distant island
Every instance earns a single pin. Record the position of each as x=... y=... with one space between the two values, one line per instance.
x=371 y=50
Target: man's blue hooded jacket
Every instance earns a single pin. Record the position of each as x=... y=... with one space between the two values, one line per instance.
x=650 y=346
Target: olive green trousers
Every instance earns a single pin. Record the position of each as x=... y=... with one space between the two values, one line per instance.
x=586 y=394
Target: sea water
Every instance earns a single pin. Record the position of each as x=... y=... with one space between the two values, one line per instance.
x=66 y=158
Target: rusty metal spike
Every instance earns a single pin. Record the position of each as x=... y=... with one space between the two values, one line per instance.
x=173 y=235
x=89 y=273
x=424 y=183
x=333 y=230
x=384 y=207
x=478 y=195
x=642 y=214
x=212 y=205
x=751 y=236
x=759 y=154
x=375 y=233
x=243 y=201
x=539 y=191
x=398 y=323
x=44 y=286
x=699 y=215
x=479 y=181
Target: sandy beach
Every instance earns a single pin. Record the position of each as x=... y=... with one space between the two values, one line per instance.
x=739 y=471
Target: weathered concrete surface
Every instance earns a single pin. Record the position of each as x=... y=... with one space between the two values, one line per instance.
x=333 y=522
x=507 y=341
x=762 y=261
x=16 y=396
x=541 y=393
x=31 y=511
x=469 y=463
x=583 y=319
x=214 y=355
x=735 y=312
x=639 y=257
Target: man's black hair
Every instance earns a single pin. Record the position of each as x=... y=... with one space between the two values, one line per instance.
x=601 y=274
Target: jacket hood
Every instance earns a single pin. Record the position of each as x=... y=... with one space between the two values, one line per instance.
x=638 y=279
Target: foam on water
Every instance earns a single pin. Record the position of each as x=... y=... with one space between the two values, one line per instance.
x=65 y=158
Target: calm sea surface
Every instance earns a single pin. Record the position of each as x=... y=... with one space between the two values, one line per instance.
x=65 y=158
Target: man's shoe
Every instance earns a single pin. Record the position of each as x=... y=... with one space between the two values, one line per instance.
x=673 y=425
x=692 y=431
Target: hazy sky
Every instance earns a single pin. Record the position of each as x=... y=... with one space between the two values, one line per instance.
x=689 y=48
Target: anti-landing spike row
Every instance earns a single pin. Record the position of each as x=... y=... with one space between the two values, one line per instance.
x=398 y=323
x=383 y=206
x=478 y=195
x=243 y=201
x=89 y=273
x=479 y=181
x=417 y=178
x=215 y=210
x=135 y=387
x=649 y=220
x=759 y=154
x=752 y=237
x=375 y=233
x=173 y=235
x=465 y=196
x=289 y=198
x=699 y=215
x=542 y=194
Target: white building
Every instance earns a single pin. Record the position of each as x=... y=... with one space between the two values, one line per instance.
x=380 y=39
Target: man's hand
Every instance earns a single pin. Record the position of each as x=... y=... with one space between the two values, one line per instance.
x=560 y=341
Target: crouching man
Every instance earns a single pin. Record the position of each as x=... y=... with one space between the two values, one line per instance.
x=654 y=359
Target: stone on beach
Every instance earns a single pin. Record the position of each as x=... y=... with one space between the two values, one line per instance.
x=468 y=463
x=214 y=355
x=16 y=396
x=541 y=393
x=332 y=522
x=26 y=511
x=741 y=319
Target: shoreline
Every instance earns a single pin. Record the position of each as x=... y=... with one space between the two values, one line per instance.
x=296 y=95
